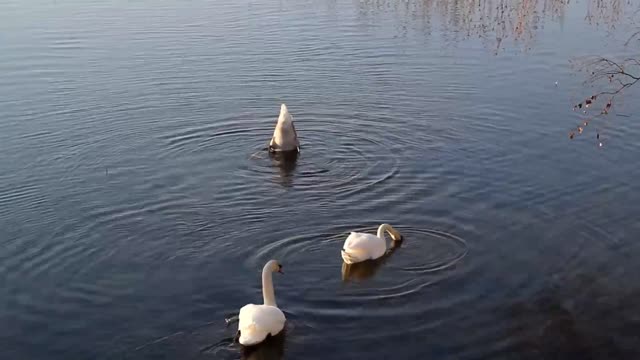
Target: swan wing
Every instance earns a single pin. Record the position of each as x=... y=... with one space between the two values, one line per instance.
x=258 y=321
x=362 y=246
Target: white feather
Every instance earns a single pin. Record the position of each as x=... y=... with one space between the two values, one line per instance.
x=258 y=321
x=360 y=247
x=285 y=137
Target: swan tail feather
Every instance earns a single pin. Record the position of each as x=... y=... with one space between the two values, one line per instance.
x=251 y=335
x=349 y=258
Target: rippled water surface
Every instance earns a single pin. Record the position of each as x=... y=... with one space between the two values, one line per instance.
x=138 y=206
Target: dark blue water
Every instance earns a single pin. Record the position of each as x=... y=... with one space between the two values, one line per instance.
x=137 y=206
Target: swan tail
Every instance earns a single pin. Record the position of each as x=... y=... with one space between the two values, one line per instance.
x=251 y=335
x=349 y=257
x=285 y=137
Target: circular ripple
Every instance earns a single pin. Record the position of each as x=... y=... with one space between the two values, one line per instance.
x=339 y=157
x=445 y=250
x=340 y=153
x=315 y=286
x=223 y=133
x=407 y=268
x=212 y=340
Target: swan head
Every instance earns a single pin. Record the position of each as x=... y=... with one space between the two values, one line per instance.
x=395 y=235
x=274 y=266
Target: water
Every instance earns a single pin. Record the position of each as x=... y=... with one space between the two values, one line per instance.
x=137 y=205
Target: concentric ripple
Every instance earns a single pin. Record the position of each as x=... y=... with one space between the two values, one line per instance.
x=340 y=153
x=318 y=289
x=337 y=156
x=419 y=260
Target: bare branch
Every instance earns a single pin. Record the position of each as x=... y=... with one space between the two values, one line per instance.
x=632 y=37
x=621 y=75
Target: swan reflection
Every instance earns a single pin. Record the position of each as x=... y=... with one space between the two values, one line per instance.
x=272 y=348
x=286 y=163
x=368 y=268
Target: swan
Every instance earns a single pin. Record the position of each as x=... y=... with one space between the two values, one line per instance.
x=362 y=246
x=256 y=322
x=368 y=268
x=272 y=348
x=285 y=137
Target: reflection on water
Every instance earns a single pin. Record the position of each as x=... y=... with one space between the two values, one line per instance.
x=405 y=118
x=272 y=348
x=608 y=13
x=285 y=162
x=495 y=22
x=366 y=269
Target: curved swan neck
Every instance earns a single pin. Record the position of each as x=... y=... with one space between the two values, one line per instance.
x=381 y=230
x=268 y=295
x=395 y=235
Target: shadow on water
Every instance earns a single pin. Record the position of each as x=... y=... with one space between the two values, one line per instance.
x=196 y=344
x=580 y=318
x=286 y=163
x=366 y=269
x=270 y=349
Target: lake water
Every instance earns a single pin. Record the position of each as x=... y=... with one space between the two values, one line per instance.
x=137 y=204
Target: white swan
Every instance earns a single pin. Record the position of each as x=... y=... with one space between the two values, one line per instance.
x=362 y=246
x=258 y=321
x=285 y=137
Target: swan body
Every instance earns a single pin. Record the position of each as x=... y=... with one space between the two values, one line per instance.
x=270 y=349
x=285 y=137
x=360 y=247
x=256 y=322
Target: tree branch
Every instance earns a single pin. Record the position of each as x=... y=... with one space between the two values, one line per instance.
x=624 y=74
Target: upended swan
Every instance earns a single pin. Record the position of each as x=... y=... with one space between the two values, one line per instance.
x=362 y=246
x=285 y=137
x=256 y=322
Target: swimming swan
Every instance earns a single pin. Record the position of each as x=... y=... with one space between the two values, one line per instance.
x=272 y=348
x=362 y=246
x=256 y=322
x=368 y=268
x=285 y=137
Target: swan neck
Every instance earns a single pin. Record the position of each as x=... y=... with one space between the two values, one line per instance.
x=267 y=286
x=381 y=233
